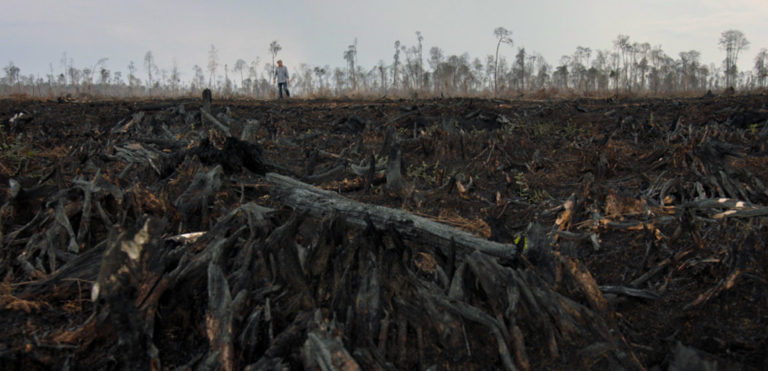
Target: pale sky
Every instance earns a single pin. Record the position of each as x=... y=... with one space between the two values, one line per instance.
x=36 y=33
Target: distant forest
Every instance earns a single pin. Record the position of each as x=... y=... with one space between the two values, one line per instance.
x=626 y=68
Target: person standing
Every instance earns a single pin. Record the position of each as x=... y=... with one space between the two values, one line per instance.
x=281 y=77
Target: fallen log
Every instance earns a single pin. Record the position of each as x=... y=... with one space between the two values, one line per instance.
x=319 y=202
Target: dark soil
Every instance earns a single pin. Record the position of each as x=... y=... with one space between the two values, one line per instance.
x=638 y=173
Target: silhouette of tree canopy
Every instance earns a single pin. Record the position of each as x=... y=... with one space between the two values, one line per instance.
x=628 y=66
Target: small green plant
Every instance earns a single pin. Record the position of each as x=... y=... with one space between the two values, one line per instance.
x=543 y=129
x=521 y=242
x=14 y=150
x=530 y=194
x=427 y=173
x=570 y=129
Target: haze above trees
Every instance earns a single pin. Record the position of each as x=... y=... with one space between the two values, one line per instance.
x=627 y=66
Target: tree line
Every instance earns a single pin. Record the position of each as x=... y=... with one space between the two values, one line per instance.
x=626 y=67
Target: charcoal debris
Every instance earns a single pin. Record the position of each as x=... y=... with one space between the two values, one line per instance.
x=416 y=234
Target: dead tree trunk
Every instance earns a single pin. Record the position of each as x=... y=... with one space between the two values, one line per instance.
x=318 y=202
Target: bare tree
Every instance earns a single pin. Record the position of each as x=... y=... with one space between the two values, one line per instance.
x=582 y=55
x=239 y=66
x=117 y=79
x=104 y=75
x=198 y=81
x=64 y=65
x=733 y=42
x=420 y=60
x=412 y=67
x=87 y=78
x=74 y=77
x=477 y=72
x=642 y=66
x=503 y=36
x=319 y=73
x=99 y=64
x=761 y=67
x=520 y=67
x=580 y=74
x=213 y=64
x=50 y=78
x=12 y=75
x=350 y=55
x=163 y=81
x=338 y=76
x=99 y=68
x=395 y=64
x=227 y=81
x=561 y=73
x=253 y=74
x=621 y=63
x=435 y=57
x=149 y=65
x=274 y=48
x=655 y=57
x=382 y=69
x=175 y=78
x=253 y=68
x=133 y=80
x=689 y=66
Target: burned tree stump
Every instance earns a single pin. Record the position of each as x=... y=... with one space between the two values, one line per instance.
x=207 y=98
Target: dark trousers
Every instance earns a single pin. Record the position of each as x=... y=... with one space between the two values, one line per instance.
x=280 y=87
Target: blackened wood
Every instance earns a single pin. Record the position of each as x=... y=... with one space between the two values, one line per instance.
x=327 y=353
x=319 y=202
x=207 y=98
x=193 y=203
x=120 y=276
x=218 y=320
x=628 y=291
x=234 y=156
x=216 y=122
